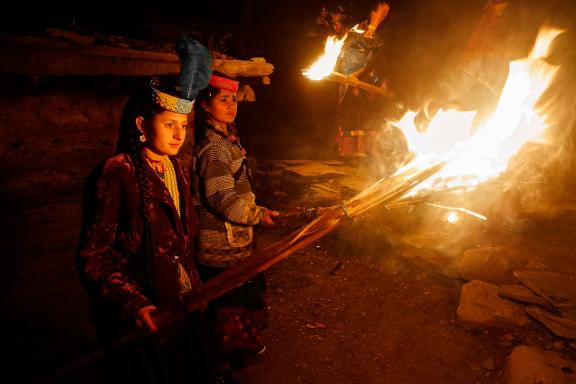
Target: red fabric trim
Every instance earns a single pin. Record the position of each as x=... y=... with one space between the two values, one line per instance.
x=223 y=83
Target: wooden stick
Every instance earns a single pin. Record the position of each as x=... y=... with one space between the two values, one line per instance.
x=388 y=191
x=263 y=259
x=351 y=80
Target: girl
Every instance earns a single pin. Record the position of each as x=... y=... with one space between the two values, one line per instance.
x=227 y=212
x=136 y=248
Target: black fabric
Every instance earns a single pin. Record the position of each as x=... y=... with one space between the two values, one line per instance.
x=249 y=294
x=248 y=302
x=181 y=352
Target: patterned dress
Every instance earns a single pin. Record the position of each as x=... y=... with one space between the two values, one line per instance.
x=227 y=212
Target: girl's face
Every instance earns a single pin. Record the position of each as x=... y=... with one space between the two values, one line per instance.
x=222 y=107
x=165 y=132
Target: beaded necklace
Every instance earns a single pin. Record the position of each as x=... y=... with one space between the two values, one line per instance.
x=171 y=182
x=165 y=171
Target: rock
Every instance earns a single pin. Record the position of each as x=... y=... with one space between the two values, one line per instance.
x=556 y=288
x=531 y=365
x=558 y=325
x=432 y=260
x=480 y=304
x=320 y=182
x=435 y=246
x=494 y=264
x=521 y=293
x=314 y=169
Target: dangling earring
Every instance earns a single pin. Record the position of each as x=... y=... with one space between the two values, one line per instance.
x=142 y=138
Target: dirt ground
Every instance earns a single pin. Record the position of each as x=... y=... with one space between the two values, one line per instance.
x=346 y=309
x=344 y=312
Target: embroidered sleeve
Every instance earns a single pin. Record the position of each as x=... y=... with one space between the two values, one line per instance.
x=218 y=185
x=103 y=267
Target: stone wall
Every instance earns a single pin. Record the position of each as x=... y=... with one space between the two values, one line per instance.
x=52 y=135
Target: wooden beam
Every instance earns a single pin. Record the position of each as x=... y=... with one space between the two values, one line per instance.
x=39 y=56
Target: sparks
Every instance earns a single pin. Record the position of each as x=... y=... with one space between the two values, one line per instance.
x=459 y=209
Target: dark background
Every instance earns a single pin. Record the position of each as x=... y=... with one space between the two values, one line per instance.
x=422 y=42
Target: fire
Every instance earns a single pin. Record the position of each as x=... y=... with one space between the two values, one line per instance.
x=326 y=63
x=324 y=66
x=475 y=157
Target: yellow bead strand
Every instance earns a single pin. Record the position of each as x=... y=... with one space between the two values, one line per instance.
x=171 y=182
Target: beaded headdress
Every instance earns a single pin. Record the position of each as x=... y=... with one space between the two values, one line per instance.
x=195 y=70
x=167 y=101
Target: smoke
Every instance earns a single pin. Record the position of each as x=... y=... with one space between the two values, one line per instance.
x=541 y=175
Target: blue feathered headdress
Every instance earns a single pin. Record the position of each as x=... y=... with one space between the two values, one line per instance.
x=195 y=67
x=195 y=72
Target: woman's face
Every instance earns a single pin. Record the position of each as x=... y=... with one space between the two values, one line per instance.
x=165 y=132
x=222 y=107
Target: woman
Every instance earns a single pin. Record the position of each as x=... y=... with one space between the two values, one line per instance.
x=227 y=212
x=136 y=249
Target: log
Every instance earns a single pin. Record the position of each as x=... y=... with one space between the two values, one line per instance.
x=41 y=56
x=234 y=68
x=71 y=35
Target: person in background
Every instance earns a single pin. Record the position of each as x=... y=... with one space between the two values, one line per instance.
x=481 y=71
x=227 y=212
x=358 y=107
x=135 y=254
x=330 y=21
x=484 y=59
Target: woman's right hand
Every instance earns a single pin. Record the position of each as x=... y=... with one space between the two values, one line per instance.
x=144 y=319
x=267 y=216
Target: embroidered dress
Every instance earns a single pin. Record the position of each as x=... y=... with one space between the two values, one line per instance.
x=113 y=259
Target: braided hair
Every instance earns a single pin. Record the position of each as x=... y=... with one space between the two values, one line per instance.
x=139 y=104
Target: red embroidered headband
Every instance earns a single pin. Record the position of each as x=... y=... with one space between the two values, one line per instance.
x=223 y=83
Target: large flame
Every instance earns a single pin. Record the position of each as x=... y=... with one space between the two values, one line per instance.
x=325 y=64
x=472 y=158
